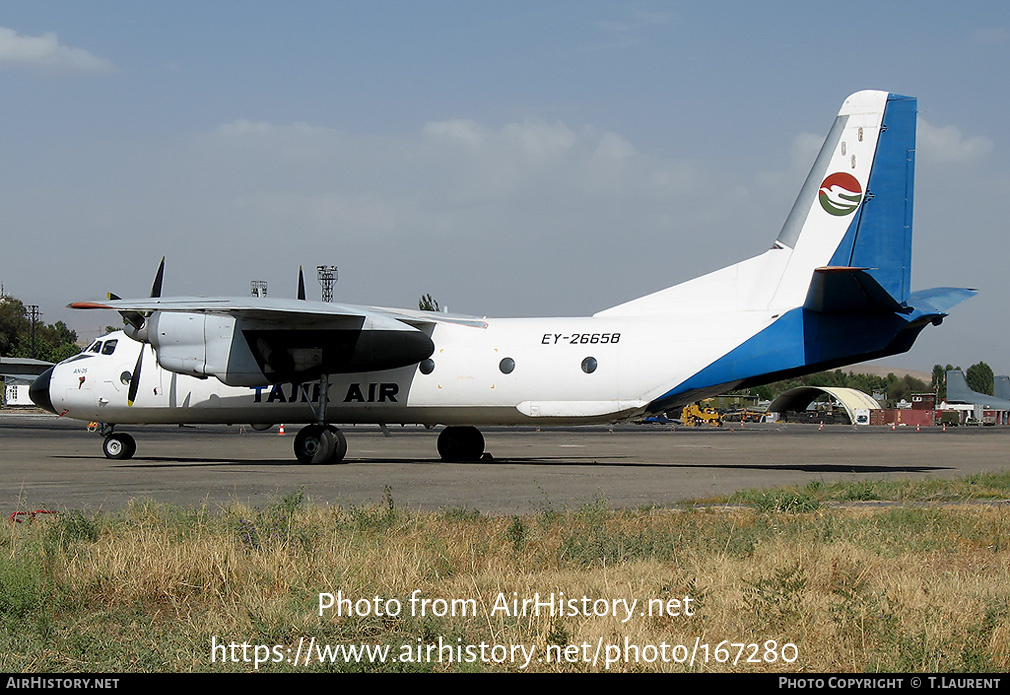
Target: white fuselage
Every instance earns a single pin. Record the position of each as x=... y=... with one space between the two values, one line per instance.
x=633 y=361
x=831 y=290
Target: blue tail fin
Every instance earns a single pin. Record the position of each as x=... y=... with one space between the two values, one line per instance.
x=879 y=239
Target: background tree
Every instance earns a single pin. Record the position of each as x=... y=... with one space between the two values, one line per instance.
x=427 y=303
x=14 y=325
x=939 y=382
x=52 y=343
x=979 y=376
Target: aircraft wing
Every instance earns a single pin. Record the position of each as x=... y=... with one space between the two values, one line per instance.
x=418 y=318
x=280 y=310
x=252 y=341
x=266 y=309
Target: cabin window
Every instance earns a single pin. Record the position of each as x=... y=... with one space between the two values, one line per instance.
x=507 y=365
x=589 y=365
x=427 y=366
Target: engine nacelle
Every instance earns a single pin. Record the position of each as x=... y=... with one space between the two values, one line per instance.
x=242 y=352
x=202 y=345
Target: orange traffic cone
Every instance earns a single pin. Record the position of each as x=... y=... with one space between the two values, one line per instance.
x=821 y=427
x=281 y=433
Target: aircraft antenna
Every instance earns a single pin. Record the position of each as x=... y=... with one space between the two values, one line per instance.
x=327 y=275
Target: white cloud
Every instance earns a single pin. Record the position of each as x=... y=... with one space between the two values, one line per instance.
x=242 y=127
x=455 y=177
x=459 y=205
x=299 y=142
x=462 y=130
x=46 y=53
x=947 y=145
x=631 y=30
x=636 y=20
x=990 y=35
x=539 y=141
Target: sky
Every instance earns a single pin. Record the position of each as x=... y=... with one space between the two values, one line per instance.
x=521 y=158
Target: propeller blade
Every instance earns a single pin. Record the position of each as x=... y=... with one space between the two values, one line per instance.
x=301 y=283
x=159 y=276
x=131 y=395
x=134 y=318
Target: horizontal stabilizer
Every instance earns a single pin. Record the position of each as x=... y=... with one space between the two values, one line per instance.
x=843 y=290
x=939 y=300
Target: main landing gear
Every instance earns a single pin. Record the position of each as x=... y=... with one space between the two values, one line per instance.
x=458 y=444
x=320 y=444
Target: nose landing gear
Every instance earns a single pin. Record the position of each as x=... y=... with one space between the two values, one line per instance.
x=119 y=446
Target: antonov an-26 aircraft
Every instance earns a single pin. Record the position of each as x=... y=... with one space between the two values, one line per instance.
x=832 y=290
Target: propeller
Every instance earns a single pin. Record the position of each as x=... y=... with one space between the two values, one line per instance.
x=131 y=395
x=135 y=318
x=138 y=321
x=158 y=278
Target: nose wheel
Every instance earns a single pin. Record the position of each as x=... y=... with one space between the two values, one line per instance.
x=119 y=446
x=320 y=444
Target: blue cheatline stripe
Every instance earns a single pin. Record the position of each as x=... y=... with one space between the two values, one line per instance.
x=778 y=347
x=797 y=340
x=880 y=238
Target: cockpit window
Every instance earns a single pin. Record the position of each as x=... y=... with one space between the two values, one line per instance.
x=109 y=348
x=95 y=347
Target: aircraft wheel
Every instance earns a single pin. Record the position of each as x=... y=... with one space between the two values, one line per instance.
x=119 y=446
x=320 y=444
x=314 y=444
x=460 y=444
x=339 y=445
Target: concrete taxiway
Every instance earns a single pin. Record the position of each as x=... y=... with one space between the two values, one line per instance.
x=48 y=463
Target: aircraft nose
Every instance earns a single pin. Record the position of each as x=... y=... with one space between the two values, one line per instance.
x=39 y=391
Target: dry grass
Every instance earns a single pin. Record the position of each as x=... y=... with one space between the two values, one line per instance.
x=856 y=590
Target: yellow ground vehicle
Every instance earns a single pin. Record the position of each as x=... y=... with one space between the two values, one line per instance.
x=694 y=415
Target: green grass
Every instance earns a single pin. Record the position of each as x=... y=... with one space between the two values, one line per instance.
x=913 y=586
x=980 y=487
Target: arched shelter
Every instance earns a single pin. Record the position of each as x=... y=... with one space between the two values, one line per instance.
x=802 y=396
